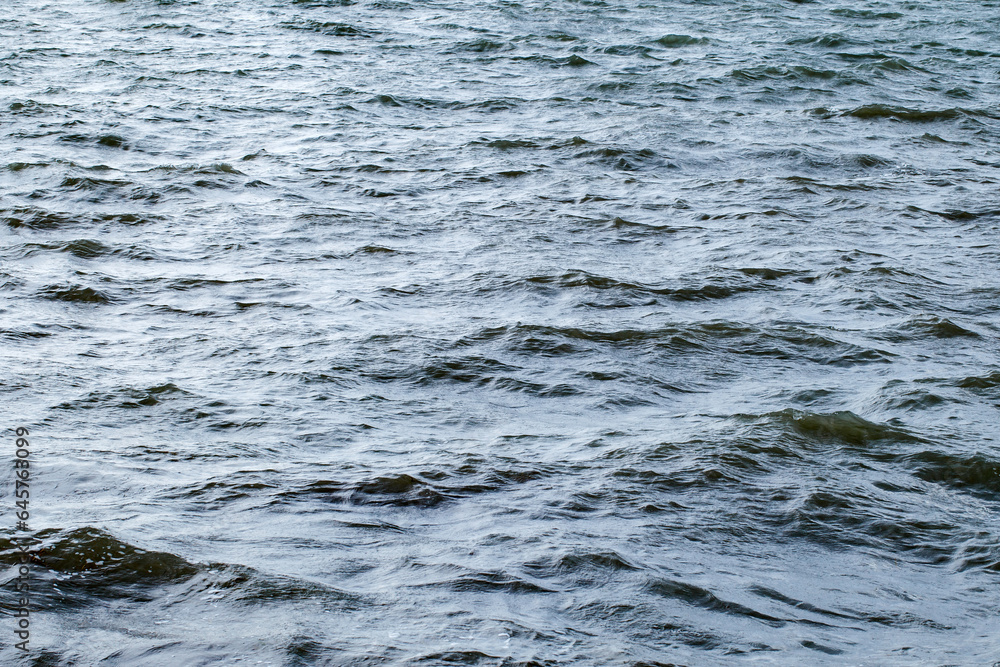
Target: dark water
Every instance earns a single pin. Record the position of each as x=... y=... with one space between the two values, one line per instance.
x=635 y=332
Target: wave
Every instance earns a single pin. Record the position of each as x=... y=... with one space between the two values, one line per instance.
x=78 y=294
x=908 y=115
x=88 y=566
x=422 y=490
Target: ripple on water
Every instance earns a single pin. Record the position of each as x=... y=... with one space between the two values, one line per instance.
x=533 y=333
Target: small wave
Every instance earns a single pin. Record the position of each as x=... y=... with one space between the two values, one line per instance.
x=702 y=597
x=581 y=563
x=700 y=474
x=82 y=248
x=583 y=279
x=91 y=249
x=843 y=426
x=483 y=372
x=108 y=140
x=185 y=284
x=758 y=73
x=626 y=50
x=771 y=594
x=481 y=46
x=905 y=114
x=471 y=657
x=626 y=159
x=959 y=215
x=767 y=273
x=568 y=61
x=324 y=3
x=21 y=166
x=614 y=86
x=422 y=490
x=912 y=399
x=931 y=326
x=219 y=492
x=829 y=41
x=842 y=518
x=676 y=41
x=977 y=474
x=89 y=565
x=75 y=294
x=330 y=28
x=125 y=398
x=988 y=381
x=812 y=73
x=866 y=14
x=13 y=334
x=488 y=582
x=491 y=105
x=373 y=249
x=507 y=144
x=784 y=342
x=86 y=183
x=33 y=108
x=202 y=169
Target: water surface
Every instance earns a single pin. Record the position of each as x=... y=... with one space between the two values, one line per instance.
x=625 y=332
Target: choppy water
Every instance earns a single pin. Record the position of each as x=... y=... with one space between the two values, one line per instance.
x=625 y=332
